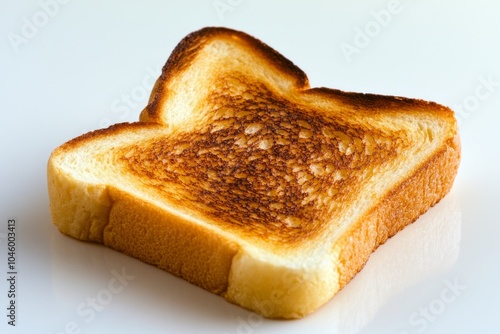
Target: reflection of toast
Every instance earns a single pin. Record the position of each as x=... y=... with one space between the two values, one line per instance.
x=244 y=181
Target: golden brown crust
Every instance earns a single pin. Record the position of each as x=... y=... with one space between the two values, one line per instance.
x=157 y=237
x=400 y=207
x=186 y=51
x=101 y=134
x=375 y=103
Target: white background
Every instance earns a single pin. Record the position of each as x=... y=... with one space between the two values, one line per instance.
x=67 y=68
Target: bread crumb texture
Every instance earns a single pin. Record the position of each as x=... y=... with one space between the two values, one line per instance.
x=263 y=165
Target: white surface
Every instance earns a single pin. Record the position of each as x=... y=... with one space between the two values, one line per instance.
x=89 y=63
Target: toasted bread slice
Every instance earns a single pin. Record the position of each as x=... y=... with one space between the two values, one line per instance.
x=246 y=182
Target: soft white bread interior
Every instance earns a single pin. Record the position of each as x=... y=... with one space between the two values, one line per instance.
x=248 y=183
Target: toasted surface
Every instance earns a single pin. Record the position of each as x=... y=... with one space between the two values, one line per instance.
x=245 y=181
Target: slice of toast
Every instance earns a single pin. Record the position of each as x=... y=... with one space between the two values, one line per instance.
x=246 y=182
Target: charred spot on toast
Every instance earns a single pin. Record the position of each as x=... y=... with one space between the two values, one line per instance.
x=261 y=164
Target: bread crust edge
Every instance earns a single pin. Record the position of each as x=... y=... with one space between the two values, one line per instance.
x=142 y=230
x=402 y=206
